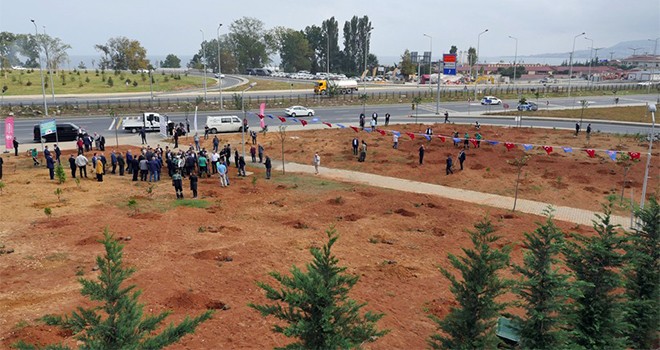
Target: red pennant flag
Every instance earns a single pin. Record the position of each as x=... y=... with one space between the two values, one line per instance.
x=509 y=146
x=474 y=142
x=382 y=132
x=303 y=122
x=591 y=152
x=328 y=124
x=355 y=128
x=411 y=135
x=442 y=138
x=548 y=149
x=261 y=116
x=282 y=119
x=634 y=155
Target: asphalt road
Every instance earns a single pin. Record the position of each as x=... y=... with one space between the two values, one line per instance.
x=460 y=112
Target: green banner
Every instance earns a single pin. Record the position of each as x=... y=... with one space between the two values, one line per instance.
x=47 y=127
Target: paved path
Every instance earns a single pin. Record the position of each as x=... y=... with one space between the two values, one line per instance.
x=575 y=215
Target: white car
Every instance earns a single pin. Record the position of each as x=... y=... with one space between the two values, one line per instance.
x=491 y=100
x=299 y=111
x=219 y=75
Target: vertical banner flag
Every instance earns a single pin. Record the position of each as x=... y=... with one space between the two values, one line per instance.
x=262 y=108
x=195 y=121
x=9 y=133
x=163 y=125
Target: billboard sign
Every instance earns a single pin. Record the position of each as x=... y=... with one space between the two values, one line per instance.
x=449 y=61
x=47 y=127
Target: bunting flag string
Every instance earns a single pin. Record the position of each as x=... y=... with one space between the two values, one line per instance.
x=493 y=142
x=548 y=149
x=591 y=152
x=411 y=135
x=612 y=154
x=442 y=138
x=282 y=119
x=527 y=147
x=567 y=149
x=341 y=126
x=295 y=120
x=428 y=137
x=474 y=142
x=270 y=116
x=303 y=122
x=509 y=146
x=355 y=128
x=634 y=155
x=367 y=130
x=328 y=124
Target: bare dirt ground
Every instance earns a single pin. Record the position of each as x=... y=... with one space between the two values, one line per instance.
x=209 y=254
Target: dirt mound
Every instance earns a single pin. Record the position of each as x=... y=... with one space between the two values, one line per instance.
x=352 y=217
x=212 y=254
x=297 y=224
x=188 y=301
x=89 y=240
x=147 y=216
x=405 y=213
x=477 y=166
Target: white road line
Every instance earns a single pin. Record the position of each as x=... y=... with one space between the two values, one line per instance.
x=112 y=124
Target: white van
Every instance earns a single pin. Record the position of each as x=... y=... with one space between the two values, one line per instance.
x=225 y=123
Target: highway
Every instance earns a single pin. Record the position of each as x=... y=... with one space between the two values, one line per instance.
x=460 y=112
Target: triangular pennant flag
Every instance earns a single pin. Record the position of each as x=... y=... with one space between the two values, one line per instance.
x=303 y=122
x=567 y=149
x=382 y=132
x=270 y=116
x=634 y=155
x=355 y=128
x=282 y=119
x=396 y=133
x=548 y=149
x=528 y=147
x=315 y=120
x=442 y=138
x=261 y=116
x=509 y=145
x=474 y=142
x=367 y=129
x=612 y=154
x=341 y=126
x=295 y=120
x=493 y=142
x=591 y=152
x=428 y=137
x=457 y=140
x=328 y=124
x=411 y=135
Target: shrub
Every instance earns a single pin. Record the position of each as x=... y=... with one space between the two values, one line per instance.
x=110 y=82
x=60 y=173
x=48 y=212
x=29 y=83
x=58 y=193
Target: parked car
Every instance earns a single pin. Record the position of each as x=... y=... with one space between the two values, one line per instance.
x=528 y=106
x=225 y=123
x=491 y=100
x=547 y=80
x=65 y=132
x=299 y=111
x=219 y=75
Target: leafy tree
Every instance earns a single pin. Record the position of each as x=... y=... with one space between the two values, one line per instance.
x=171 y=61
x=508 y=71
x=250 y=43
x=597 y=315
x=122 y=53
x=315 y=305
x=295 y=51
x=119 y=323
x=471 y=325
x=329 y=45
x=407 y=66
x=57 y=50
x=8 y=54
x=643 y=280
x=60 y=173
x=314 y=35
x=472 y=56
x=357 y=34
x=544 y=290
x=453 y=50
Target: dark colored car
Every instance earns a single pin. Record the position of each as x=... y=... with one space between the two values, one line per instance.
x=65 y=132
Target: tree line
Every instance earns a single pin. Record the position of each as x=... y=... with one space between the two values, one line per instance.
x=596 y=291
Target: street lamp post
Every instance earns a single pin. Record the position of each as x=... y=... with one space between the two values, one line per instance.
x=41 y=71
x=430 y=54
x=204 y=62
x=570 y=73
x=652 y=109
x=655 y=50
x=515 y=59
x=48 y=67
x=327 y=54
x=220 y=71
x=244 y=115
x=591 y=50
x=634 y=50
x=364 y=80
x=476 y=69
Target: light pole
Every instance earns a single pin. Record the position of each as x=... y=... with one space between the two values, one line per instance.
x=591 y=51
x=570 y=73
x=252 y=84
x=204 y=63
x=364 y=80
x=220 y=71
x=151 y=86
x=327 y=54
x=655 y=50
x=515 y=58
x=430 y=54
x=41 y=71
x=476 y=69
x=652 y=109
x=50 y=73
x=634 y=50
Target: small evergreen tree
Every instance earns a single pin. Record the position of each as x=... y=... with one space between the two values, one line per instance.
x=60 y=173
x=471 y=325
x=643 y=279
x=315 y=305
x=597 y=316
x=544 y=290
x=119 y=323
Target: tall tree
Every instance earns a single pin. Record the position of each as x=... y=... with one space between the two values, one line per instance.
x=171 y=61
x=471 y=324
x=315 y=305
x=122 y=53
x=597 y=316
x=8 y=52
x=407 y=66
x=544 y=289
x=119 y=322
x=314 y=35
x=295 y=51
x=208 y=52
x=357 y=34
x=643 y=278
x=250 y=43
x=57 y=50
x=329 y=49
x=472 y=56
x=453 y=50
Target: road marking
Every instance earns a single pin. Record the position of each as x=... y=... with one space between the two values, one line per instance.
x=113 y=123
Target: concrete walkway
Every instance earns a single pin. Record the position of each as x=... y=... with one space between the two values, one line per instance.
x=575 y=215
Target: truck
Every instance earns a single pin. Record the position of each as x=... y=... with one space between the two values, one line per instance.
x=149 y=121
x=347 y=86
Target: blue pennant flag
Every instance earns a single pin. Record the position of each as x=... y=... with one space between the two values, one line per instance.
x=270 y=116
x=568 y=149
x=428 y=137
x=492 y=142
x=612 y=154
x=527 y=147
x=367 y=129
x=398 y=134
x=315 y=120
x=457 y=139
x=341 y=126
x=295 y=120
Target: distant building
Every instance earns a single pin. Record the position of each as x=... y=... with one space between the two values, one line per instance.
x=642 y=61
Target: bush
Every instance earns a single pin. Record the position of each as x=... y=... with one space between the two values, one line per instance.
x=135 y=83
x=110 y=82
x=87 y=80
x=60 y=173
x=29 y=83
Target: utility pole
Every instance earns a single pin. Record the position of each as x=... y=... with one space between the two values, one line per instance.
x=220 y=71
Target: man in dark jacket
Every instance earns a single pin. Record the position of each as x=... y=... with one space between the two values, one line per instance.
x=15 y=143
x=135 y=168
x=72 y=165
x=421 y=154
x=1 y=161
x=120 y=163
x=58 y=154
x=129 y=162
x=461 y=158
x=113 y=161
x=450 y=163
x=50 y=164
x=269 y=166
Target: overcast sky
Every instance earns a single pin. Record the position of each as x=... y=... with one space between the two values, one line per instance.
x=166 y=26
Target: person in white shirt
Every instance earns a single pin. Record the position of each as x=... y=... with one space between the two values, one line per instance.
x=81 y=162
x=317 y=162
x=396 y=141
